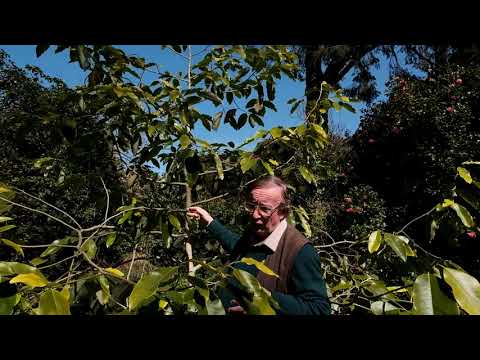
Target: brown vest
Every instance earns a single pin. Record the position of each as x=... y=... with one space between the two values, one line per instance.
x=281 y=261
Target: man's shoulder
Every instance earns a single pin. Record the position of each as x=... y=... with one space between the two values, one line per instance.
x=292 y=233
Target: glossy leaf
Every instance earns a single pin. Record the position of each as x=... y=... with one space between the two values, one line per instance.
x=53 y=302
x=5 y=218
x=258 y=301
x=384 y=308
x=464 y=174
x=13 y=245
x=110 y=239
x=428 y=299
x=174 y=221
x=35 y=279
x=115 y=272
x=466 y=289
x=215 y=307
x=6 y=228
x=167 y=239
x=38 y=261
x=7 y=304
x=399 y=246
x=374 y=241
x=11 y=268
x=259 y=265
x=148 y=285
x=52 y=249
x=464 y=215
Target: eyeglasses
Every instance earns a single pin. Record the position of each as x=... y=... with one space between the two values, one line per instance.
x=263 y=210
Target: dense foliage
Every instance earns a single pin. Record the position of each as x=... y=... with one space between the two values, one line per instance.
x=88 y=226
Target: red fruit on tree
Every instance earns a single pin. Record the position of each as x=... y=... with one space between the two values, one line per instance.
x=459 y=81
x=348 y=200
x=349 y=210
x=472 y=234
x=450 y=109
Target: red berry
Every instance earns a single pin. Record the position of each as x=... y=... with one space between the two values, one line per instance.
x=348 y=200
x=450 y=109
x=349 y=210
x=472 y=234
x=459 y=81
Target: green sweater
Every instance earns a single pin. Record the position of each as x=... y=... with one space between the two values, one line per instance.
x=308 y=295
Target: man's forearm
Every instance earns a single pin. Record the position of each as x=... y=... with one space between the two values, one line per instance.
x=227 y=238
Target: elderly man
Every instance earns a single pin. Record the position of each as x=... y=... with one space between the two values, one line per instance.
x=300 y=288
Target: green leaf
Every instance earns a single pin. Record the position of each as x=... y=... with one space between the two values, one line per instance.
x=215 y=307
x=302 y=215
x=217 y=120
x=11 y=268
x=6 y=228
x=38 y=261
x=247 y=162
x=82 y=57
x=399 y=246
x=5 y=218
x=428 y=299
x=148 y=285
x=259 y=265
x=40 y=49
x=174 y=221
x=185 y=141
x=268 y=168
x=110 y=239
x=242 y=120
x=53 y=302
x=433 y=229
x=307 y=175
x=463 y=214
x=464 y=174
x=103 y=295
x=374 y=241
x=35 y=279
x=276 y=132
x=466 y=289
x=115 y=272
x=269 y=105
x=167 y=239
x=13 y=245
x=320 y=132
x=257 y=302
x=7 y=304
x=52 y=249
x=218 y=164
x=90 y=248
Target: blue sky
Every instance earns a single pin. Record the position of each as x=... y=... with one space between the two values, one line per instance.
x=57 y=65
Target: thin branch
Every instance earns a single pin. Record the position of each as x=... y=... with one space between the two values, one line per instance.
x=335 y=243
x=44 y=246
x=108 y=197
x=211 y=199
x=417 y=218
x=214 y=171
x=38 y=211
x=48 y=204
x=58 y=262
x=133 y=259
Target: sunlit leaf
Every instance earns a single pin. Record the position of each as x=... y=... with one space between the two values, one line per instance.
x=13 y=245
x=259 y=265
x=428 y=299
x=53 y=302
x=115 y=272
x=110 y=239
x=374 y=241
x=148 y=285
x=466 y=289
x=218 y=164
x=7 y=304
x=464 y=174
x=35 y=279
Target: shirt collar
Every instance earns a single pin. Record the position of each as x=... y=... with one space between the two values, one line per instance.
x=273 y=239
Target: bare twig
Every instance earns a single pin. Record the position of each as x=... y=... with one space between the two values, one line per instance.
x=58 y=262
x=211 y=199
x=48 y=204
x=133 y=259
x=108 y=197
x=417 y=218
x=335 y=244
x=38 y=211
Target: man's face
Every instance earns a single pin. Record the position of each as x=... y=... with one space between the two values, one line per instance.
x=266 y=216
